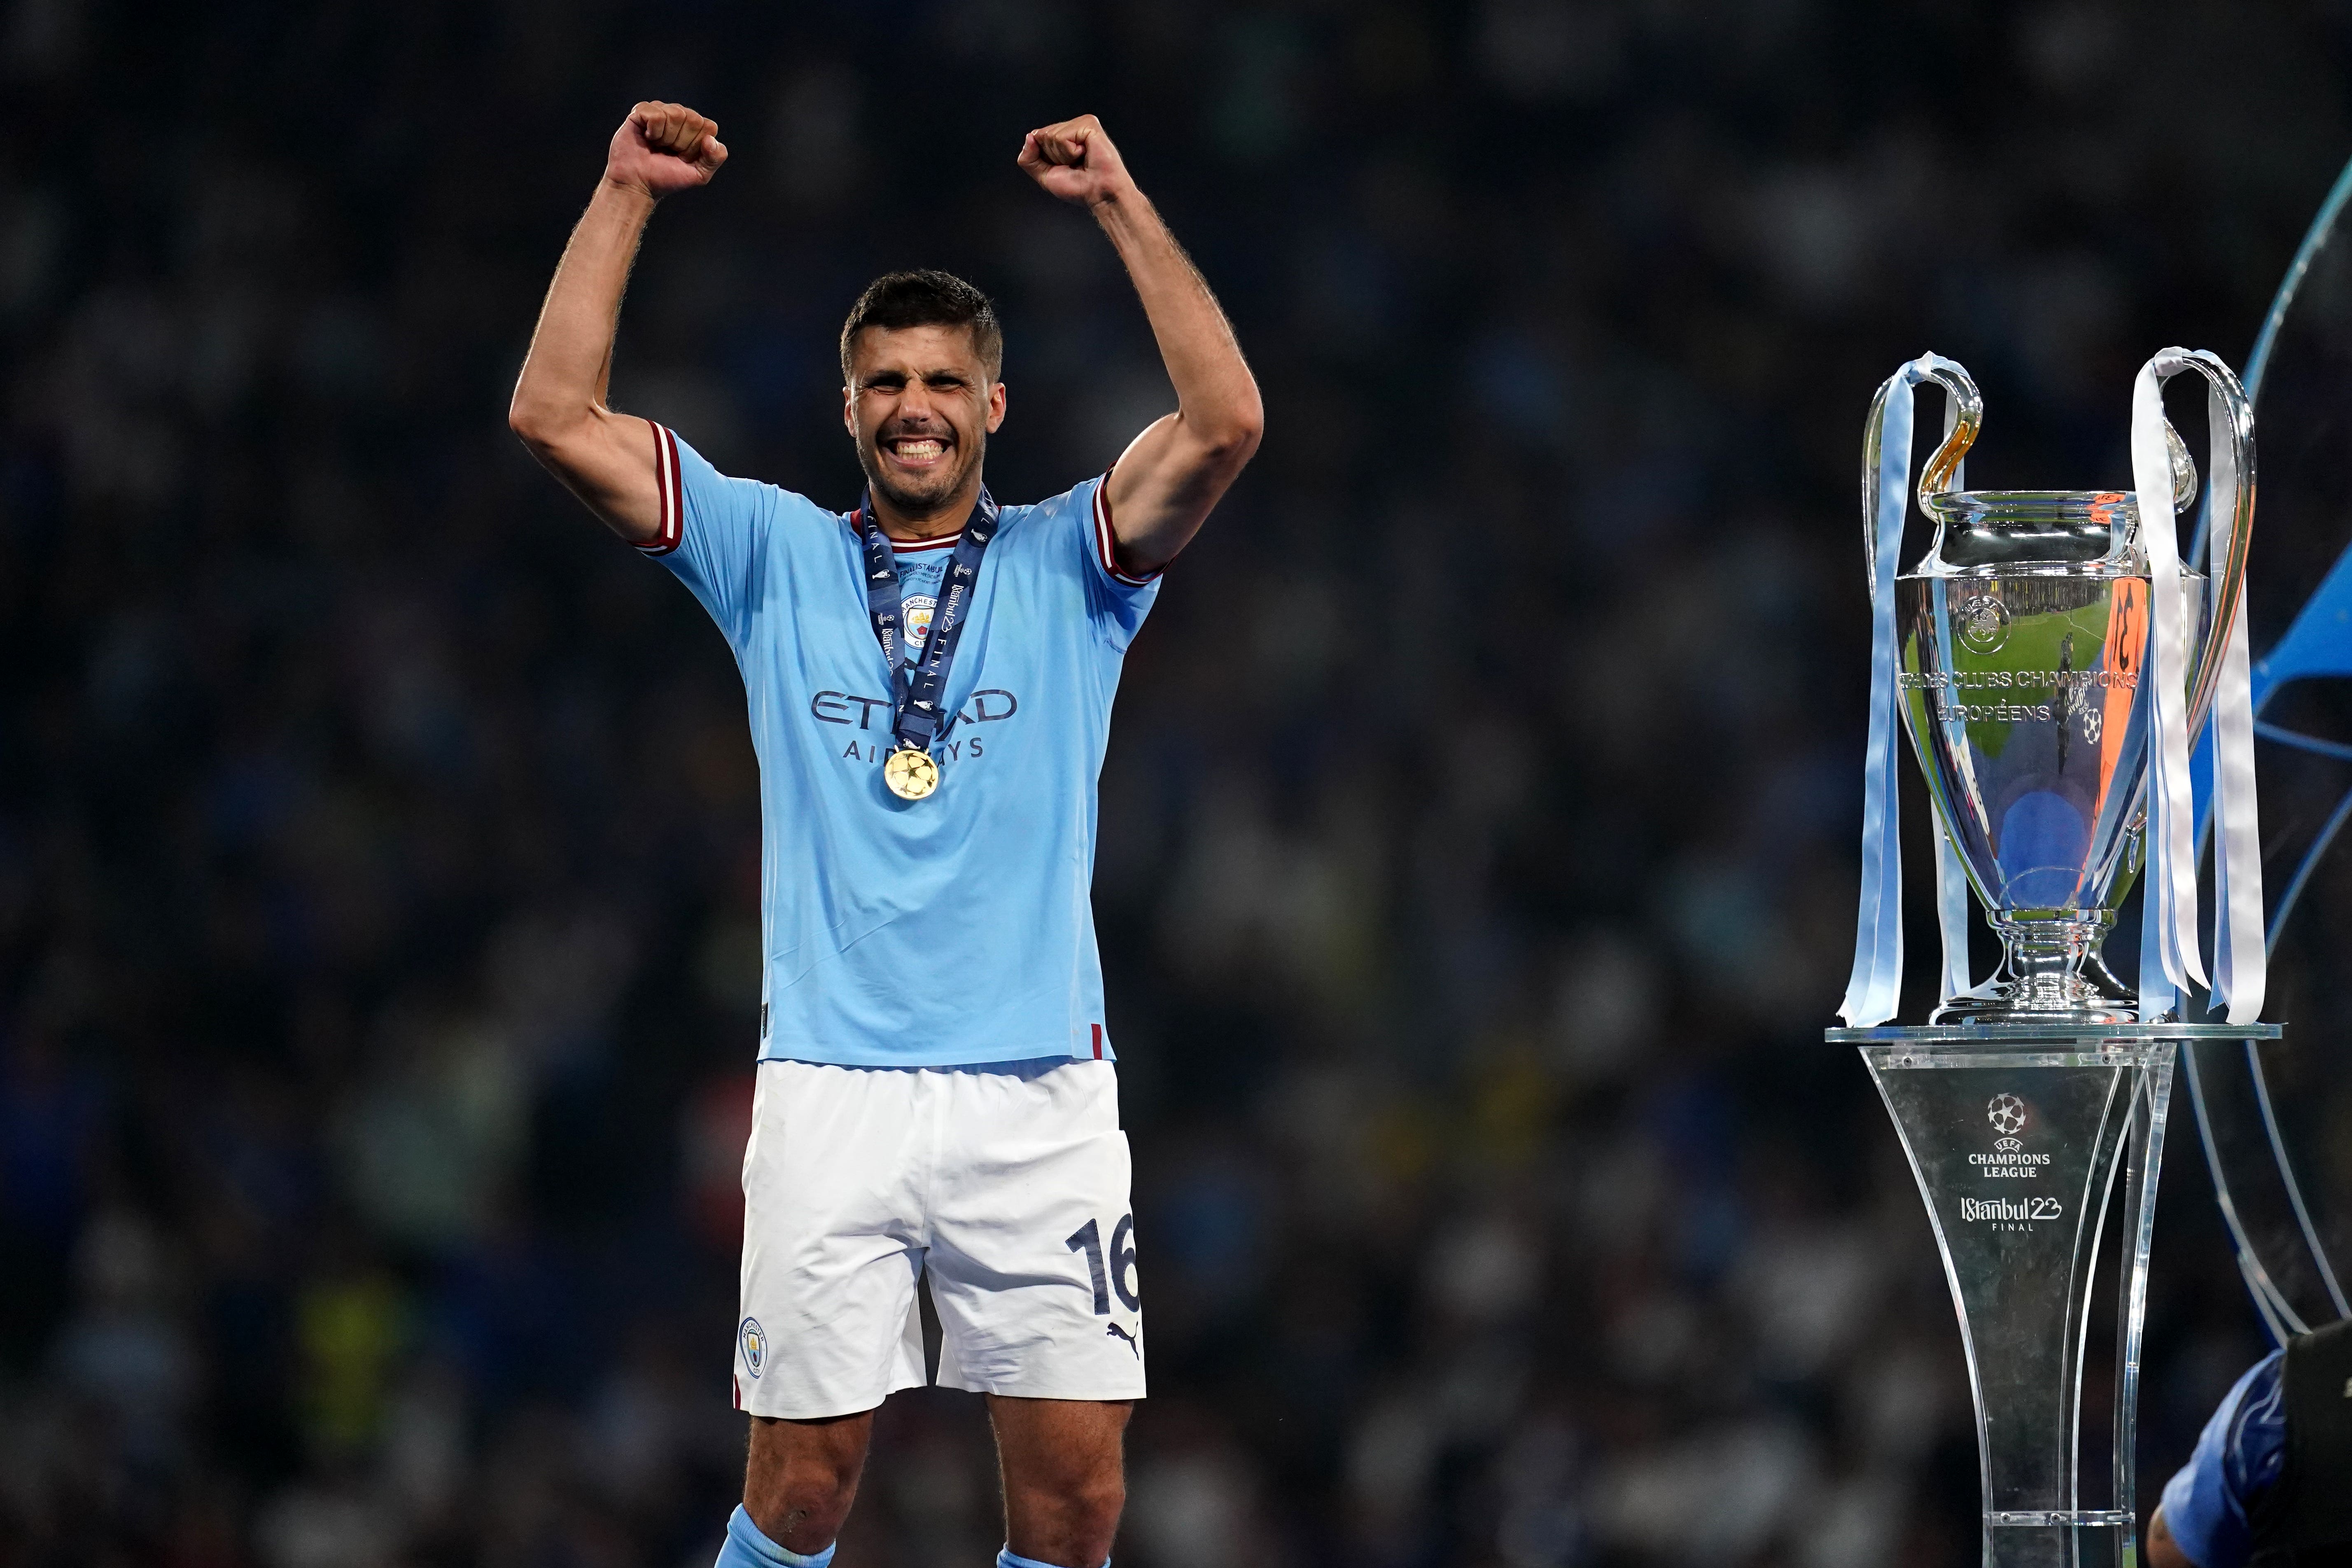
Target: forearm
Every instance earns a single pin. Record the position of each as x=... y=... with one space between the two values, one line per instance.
x=565 y=377
x=1216 y=397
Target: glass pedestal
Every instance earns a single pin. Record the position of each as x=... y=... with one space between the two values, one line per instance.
x=2017 y=1134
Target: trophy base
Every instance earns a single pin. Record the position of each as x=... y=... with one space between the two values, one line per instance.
x=1988 y=1004
x=2020 y=1134
x=2051 y=972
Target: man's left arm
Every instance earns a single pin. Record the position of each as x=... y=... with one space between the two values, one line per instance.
x=1169 y=478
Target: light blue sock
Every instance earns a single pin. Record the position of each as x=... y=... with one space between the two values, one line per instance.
x=747 y=1548
x=1005 y=1559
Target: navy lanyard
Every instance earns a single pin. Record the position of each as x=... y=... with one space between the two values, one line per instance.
x=917 y=709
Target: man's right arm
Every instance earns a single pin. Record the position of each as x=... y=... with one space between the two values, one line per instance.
x=559 y=409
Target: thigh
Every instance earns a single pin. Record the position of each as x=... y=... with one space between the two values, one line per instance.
x=832 y=1242
x=1031 y=1261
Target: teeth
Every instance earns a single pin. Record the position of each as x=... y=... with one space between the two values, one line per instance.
x=919 y=451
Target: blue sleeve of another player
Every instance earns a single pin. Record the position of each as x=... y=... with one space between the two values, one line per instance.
x=1118 y=599
x=2237 y=1459
x=712 y=532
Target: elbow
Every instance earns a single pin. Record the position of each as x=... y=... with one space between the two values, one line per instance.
x=545 y=428
x=527 y=422
x=531 y=422
x=1234 y=442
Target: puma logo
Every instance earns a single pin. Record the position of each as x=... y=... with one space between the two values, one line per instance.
x=1115 y=1332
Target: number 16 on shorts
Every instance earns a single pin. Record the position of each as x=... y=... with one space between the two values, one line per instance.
x=1111 y=1271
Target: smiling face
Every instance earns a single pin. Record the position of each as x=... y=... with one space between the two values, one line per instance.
x=920 y=405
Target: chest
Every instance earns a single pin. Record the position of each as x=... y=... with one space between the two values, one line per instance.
x=1020 y=652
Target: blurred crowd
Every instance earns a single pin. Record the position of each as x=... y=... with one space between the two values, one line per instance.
x=378 y=839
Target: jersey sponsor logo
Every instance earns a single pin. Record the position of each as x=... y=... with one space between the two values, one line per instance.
x=956 y=751
x=989 y=705
x=755 y=1341
x=1112 y=1331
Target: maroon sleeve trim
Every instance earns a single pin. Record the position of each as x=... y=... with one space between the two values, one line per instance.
x=1106 y=542
x=666 y=483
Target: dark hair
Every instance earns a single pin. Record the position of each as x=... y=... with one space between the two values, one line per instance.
x=925 y=298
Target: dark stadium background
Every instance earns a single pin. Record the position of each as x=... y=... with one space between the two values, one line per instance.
x=377 y=837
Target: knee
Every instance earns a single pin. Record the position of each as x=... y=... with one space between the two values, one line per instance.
x=1079 y=1519
x=800 y=1496
x=800 y=1512
x=1094 y=1507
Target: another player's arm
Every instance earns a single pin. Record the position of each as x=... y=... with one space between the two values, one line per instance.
x=1167 y=481
x=559 y=409
x=2163 y=1550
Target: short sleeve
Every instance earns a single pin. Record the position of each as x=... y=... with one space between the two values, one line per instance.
x=712 y=531
x=2237 y=1456
x=1118 y=599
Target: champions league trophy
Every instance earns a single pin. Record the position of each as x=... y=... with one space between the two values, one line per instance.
x=2040 y=656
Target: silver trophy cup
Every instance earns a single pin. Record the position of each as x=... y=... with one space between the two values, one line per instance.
x=2023 y=637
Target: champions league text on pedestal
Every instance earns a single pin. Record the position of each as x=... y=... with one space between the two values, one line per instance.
x=2045 y=659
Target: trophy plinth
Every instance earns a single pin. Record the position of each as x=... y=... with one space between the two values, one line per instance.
x=2018 y=1134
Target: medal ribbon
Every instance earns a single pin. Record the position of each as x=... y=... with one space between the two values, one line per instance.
x=1874 y=987
x=918 y=714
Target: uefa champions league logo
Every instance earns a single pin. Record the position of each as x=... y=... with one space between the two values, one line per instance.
x=1983 y=624
x=2008 y=1115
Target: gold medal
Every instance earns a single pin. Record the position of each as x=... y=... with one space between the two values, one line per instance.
x=911 y=774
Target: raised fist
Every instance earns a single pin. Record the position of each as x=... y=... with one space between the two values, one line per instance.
x=663 y=147
x=1075 y=161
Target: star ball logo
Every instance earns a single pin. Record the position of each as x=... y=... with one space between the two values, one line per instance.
x=2008 y=1115
x=1984 y=624
x=754 y=1340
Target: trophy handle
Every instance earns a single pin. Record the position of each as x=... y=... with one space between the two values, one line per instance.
x=2229 y=403
x=1963 y=413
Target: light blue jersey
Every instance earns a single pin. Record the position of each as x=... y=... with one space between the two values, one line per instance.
x=946 y=932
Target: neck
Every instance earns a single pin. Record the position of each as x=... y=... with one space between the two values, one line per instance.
x=934 y=522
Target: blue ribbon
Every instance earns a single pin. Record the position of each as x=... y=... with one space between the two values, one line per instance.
x=1874 y=988
x=918 y=711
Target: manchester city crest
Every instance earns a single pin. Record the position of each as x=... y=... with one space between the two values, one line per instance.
x=754 y=1338
x=917 y=608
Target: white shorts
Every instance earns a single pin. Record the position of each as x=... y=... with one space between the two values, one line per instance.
x=1009 y=1189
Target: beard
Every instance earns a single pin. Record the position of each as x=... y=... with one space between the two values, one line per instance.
x=928 y=495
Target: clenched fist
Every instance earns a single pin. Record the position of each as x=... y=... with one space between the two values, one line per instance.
x=1075 y=161
x=663 y=147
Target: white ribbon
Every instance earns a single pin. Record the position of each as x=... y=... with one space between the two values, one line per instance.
x=2169 y=961
x=1874 y=988
x=2240 y=963
x=1953 y=905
